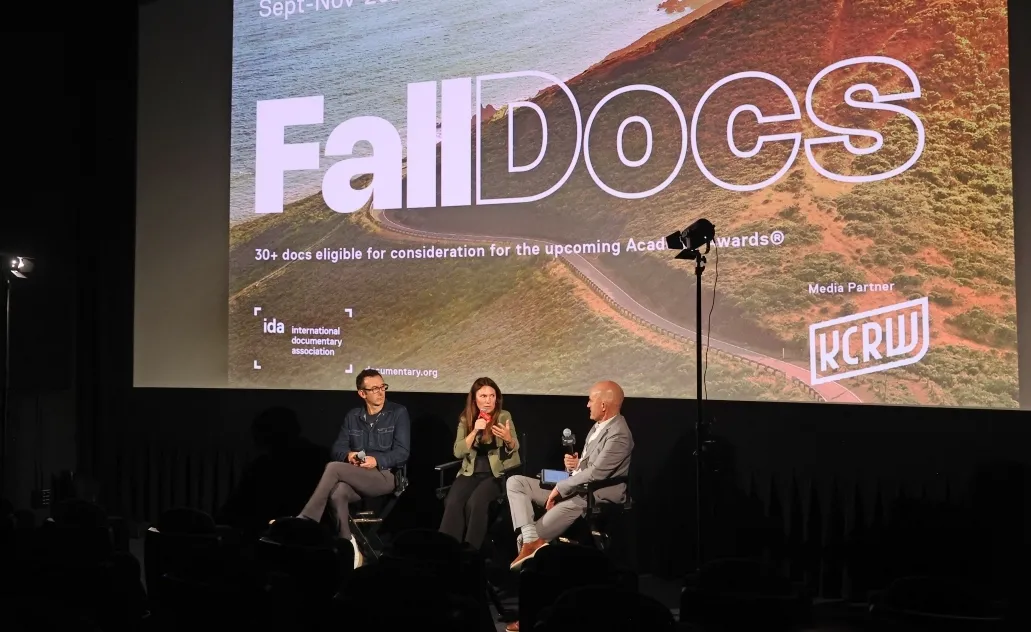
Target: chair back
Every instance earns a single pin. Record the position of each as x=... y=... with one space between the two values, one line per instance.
x=184 y=544
x=554 y=570
x=301 y=532
x=607 y=609
x=186 y=521
x=418 y=544
x=440 y=557
x=435 y=605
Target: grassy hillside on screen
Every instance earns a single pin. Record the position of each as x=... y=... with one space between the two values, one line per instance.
x=528 y=322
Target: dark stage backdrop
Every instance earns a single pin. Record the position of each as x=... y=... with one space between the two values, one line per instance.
x=153 y=449
x=188 y=447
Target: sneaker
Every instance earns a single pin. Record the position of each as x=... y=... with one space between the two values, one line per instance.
x=358 y=559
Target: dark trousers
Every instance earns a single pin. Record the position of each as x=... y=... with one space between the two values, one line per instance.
x=467 y=506
x=342 y=484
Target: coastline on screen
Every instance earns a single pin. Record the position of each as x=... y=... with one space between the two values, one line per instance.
x=436 y=209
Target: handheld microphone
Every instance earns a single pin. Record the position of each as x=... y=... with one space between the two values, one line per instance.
x=482 y=415
x=360 y=457
x=568 y=441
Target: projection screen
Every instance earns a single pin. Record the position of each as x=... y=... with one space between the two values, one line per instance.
x=442 y=190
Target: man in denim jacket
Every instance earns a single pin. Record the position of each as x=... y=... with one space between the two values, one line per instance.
x=373 y=441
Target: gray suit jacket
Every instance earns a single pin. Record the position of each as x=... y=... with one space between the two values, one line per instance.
x=605 y=456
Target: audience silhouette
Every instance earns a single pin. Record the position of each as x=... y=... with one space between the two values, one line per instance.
x=280 y=479
x=75 y=570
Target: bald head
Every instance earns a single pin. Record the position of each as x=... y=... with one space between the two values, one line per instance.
x=605 y=400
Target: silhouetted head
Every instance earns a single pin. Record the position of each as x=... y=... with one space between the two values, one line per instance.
x=83 y=514
x=275 y=427
x=605 y=400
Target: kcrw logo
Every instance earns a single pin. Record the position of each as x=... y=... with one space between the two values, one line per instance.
x=868 y=342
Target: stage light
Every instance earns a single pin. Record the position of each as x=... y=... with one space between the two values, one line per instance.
x=698 y=234
x=19 y=266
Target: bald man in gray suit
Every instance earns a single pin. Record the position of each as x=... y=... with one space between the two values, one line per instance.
x=606 y=455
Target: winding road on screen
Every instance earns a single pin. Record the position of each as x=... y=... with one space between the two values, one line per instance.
x=831 y=392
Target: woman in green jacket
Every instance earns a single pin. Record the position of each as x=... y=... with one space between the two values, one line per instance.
x=487 y=444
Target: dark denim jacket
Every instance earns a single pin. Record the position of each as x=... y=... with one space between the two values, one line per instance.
x=388 y=440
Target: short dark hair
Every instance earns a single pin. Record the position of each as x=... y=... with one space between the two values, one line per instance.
x=359 y=381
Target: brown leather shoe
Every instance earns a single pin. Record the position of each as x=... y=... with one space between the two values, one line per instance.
x=528 y=551
x=512 y=627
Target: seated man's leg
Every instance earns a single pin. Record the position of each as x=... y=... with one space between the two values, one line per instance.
x=560 y=517
x=342 y=496
x=317 y=503
x=365 y=482
x=523 y=493
x=357 y=483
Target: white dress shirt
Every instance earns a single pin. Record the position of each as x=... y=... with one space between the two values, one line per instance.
x=590 y=435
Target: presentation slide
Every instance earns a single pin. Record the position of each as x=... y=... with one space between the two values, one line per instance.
x=442 y=190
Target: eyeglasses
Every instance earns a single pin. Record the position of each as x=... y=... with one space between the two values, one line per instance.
x=377 y=389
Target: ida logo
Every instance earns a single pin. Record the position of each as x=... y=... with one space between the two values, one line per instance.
x=871 y=341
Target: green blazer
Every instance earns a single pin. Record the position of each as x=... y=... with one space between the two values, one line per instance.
x=501 y=458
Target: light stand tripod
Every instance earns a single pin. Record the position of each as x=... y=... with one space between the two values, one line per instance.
x=691 y=239
x=7 y=381
x=11 y=267
x=701 y=426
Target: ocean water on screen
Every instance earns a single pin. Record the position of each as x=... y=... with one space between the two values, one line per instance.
x=362 y=57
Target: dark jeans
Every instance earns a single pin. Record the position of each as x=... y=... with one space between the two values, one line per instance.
x=343 y=484
x=467 y=505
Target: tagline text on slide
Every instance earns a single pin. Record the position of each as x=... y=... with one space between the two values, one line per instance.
x=482 y=251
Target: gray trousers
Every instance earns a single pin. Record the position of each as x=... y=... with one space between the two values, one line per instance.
x=342 y=484
x=525 y=492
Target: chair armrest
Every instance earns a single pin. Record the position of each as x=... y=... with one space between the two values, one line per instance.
x=512 y=471
x=607 y=482
x=444 y=467
x=593 y=486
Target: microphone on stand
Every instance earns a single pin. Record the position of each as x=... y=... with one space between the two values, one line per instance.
x=568 y=442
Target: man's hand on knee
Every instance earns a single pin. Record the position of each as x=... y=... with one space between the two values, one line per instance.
x=553 y=498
